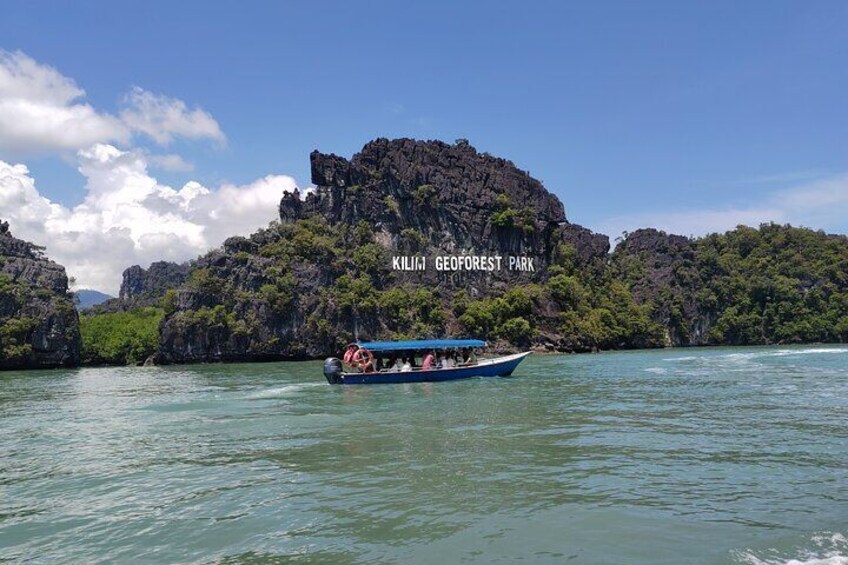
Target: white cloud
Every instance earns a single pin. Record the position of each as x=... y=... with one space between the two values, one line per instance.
x=820 y=204
x=128 y=217
x=43 y=111
x=170 y=162
x=40 y=110
x=21 y=77
x=163 y=118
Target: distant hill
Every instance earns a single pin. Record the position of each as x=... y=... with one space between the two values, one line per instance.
x=86 y=298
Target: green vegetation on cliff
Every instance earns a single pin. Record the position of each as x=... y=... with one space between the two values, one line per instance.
x=14 y=345
x=775 y=284
x=311 y=283
x=338 y=279
x=324 y=275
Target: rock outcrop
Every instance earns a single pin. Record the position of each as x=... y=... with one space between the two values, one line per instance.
x=432 y=198
x=140 y=284
x=39 y=327
x=662 y=270
x=358 y=258
x=328 y=272
x=748 y=286
x=141 y=288
x=303 y=287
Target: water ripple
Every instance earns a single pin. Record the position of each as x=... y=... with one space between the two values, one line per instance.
x=697 y=455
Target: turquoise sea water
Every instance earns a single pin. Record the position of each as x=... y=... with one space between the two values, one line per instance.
x=674 y=456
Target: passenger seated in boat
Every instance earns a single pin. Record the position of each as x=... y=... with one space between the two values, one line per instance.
x=406 y=367
x=440 y=361
x=348 y=356
x=468 y=357
x=394 y=365
x=429 y=362
x=369 y=365
x=449 y=362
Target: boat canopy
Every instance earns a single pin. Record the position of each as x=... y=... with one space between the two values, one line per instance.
x=420 y=344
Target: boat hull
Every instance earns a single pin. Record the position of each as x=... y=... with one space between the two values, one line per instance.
x=499 y=367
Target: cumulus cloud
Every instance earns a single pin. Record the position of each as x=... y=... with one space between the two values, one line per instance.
x=40 y=110
x=128 y=217
x=819 y=204
x=43 y=111
x=163 y=118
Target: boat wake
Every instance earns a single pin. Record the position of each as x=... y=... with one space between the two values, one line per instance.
x=823 y=549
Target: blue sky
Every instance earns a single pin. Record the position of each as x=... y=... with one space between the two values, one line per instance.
x=692 y=114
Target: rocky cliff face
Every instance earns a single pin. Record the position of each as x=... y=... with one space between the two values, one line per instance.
x=141 y=288
x=139 y=284
x=303 y=287
x=748 y=286
x=324 y=275
x=431 y=198
x=39 y=326
x=662 y=270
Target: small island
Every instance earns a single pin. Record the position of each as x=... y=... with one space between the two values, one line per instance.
x=323 y=276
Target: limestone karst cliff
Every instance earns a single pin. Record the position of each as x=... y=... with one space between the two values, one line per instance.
x=436 y=198
x=324 y=275
x=142 y=288
x=39 y=326
x=326 y=272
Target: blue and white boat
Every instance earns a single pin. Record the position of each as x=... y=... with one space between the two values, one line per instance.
x=363 y=368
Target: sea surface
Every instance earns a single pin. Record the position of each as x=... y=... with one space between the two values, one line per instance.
x=714 y=455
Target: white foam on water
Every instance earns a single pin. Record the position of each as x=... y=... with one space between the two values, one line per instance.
x=785 y=352
x=815 y=351
x=283 y=391
x=744 y=356
x=747 y=358
x=656 y=370
x=690 y=358
x=750 y=356
x=832 y=560
x=828 y=549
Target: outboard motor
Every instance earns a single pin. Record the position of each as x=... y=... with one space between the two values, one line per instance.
x=333 y=370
